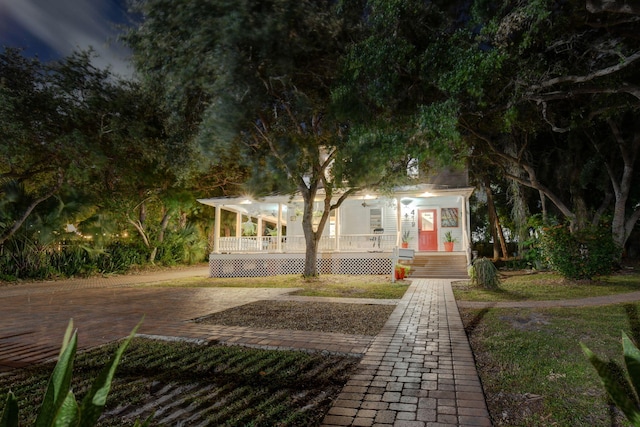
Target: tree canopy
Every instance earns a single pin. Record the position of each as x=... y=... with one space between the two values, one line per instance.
x=259 y=80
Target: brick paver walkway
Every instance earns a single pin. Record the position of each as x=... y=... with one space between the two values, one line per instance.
x=419 y=371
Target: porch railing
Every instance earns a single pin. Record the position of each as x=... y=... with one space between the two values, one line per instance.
x=293 y=244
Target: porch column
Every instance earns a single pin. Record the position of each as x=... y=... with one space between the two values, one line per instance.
x=216 y=230
x=259 y=233
x=338 y=231
x=238 y=224
x=467 y=228
x=279 y=227
x=398 y=222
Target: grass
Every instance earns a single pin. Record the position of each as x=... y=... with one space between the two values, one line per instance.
x=532 y=367
x=328 y=285
x=189 y=384
x=546 y=286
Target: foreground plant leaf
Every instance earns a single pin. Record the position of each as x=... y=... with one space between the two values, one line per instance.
x=632 y=360
x=616 y=385
x=59 y=407
x=60 y=380
x=9 y=416
x=93 y=403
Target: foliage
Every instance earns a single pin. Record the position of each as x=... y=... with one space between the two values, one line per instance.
x=484 y=273
x=255 y=82
x=448 y=237
x=57 y=125
x=59 y=406
x=580 y=255
x=23 y=259
x=406 y=236
x=623 y=389
x=184 y=246
x=119 y=256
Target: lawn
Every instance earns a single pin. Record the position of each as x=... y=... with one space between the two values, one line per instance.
x=547 y=286
x=327 y=285
x=530 y=360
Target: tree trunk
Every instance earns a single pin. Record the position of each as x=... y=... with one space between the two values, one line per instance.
x=621 y=225
x=163 y=227
x=311 y=240
x=543 y=207
x=494 y=224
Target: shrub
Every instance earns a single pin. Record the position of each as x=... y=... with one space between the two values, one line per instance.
x=484 y=273
x=580 y=255
x=73 y=260
x=184 y=246
x=119 y=256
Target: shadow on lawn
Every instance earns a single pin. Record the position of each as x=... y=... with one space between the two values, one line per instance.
x=634 y=321
x=473 y=323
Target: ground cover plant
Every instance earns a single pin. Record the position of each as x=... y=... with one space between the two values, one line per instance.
x=547 y=286
x=193 y=384
x=326 y=285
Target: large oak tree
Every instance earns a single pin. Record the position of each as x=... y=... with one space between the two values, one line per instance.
x=257 y=79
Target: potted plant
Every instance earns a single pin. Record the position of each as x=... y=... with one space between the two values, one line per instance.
x=401 y=271
x=449 y=241
x=406 y=238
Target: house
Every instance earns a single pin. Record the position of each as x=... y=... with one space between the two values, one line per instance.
x=361 y=236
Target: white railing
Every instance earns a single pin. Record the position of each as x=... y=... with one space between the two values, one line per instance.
x=296 y=244
x=248 y=244
x=367 y=242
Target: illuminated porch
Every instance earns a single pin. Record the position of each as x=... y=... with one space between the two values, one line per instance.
x=264 y=236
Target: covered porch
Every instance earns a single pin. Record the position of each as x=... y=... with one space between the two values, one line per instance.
x=259 y=237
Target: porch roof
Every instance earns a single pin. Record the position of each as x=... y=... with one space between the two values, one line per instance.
x=271 y=202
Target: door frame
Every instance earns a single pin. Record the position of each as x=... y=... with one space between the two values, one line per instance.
x=428 y=239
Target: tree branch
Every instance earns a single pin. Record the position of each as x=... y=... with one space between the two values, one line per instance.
x=18 y=223
x=568 y=94
x=613 y=6
x=588 y=77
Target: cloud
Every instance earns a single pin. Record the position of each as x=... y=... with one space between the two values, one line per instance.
x=68 y=25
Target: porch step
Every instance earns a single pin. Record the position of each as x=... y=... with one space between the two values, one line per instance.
x=449 y=266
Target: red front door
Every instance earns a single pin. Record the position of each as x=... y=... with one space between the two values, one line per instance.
x=428 y=230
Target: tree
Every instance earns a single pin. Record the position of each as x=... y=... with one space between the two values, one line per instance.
x=578 y=71
x=54 y=121
x=539 y=89
x=255 y=79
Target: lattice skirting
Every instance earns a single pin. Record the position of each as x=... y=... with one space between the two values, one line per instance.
x=260 y=265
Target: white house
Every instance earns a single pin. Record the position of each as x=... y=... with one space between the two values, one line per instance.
x=361 y=236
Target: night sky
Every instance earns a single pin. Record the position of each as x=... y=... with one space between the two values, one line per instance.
x=52 y=29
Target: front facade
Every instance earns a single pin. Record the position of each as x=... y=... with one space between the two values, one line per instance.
x=361 y=236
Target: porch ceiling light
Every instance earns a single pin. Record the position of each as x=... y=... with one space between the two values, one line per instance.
x=427 y=194
x=368 y=197
x=245 y=202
